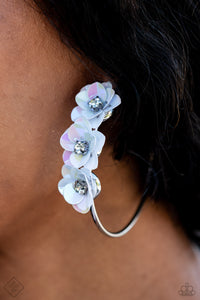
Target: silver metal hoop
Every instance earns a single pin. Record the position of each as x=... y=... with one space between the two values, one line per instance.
x=127 y=227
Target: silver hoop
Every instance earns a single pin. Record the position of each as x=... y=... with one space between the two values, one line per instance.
x=127 y=227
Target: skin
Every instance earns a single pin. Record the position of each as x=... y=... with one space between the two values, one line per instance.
x=55 y=252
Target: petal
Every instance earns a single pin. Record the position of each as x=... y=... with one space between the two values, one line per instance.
x=82 y=121
x=87 y=174
x=66 y=171
x=76 y=207
x=88 y=114
x=66 y=142
x=100 y=141
x=89 y=137
x=96 y=122
x=85 y=87
x=107 y=84
x=68 y=163
x=76 y=113
x=71 y=196
x=75 y=132
x=77 y=174
x=97 y=89
x=62 y=184
x=116 y=100
x=82 y=99
x=110 y=94
x=92 y=163
x=66 y=156
x=84 y=206
x=79 y=160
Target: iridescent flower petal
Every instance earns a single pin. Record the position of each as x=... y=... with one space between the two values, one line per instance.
x=66 y=171
x=110 y=94
x=91 y=139
x=96 y=122
x=88 y=136
x=84 y=206
x=66 y=157
x=82 y=99
x=79 y=161
x=97 y=89
x=76 y=131
x=62 y=184
x=83 y=122
x=66 y=142
x=90 y=114
x=92 y=163
x=77 y=174
x=76 y=207
x=100 y=141
x=107 y=84
x=76 y=113
x=85 y=87
x=71 y=196
x=116 y=100
x=87 y=174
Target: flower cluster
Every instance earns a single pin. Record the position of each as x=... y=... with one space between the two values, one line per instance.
x=83 y=143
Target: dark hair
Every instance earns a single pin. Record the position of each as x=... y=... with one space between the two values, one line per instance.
x=150 y=50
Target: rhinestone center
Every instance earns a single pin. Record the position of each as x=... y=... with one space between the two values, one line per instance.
x=96 y=104
x=80 y=186
x=81 y=147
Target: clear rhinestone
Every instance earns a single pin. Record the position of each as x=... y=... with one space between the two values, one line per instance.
x=81 y=147
x=80 y=186
x=107 y=115
x=96 y=104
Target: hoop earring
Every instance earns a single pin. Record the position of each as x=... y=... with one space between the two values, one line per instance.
x=83 y=143
x=128 y=227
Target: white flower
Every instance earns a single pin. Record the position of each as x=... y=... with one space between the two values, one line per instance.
x=79 y=187
x=82 y=145
x=95 y=102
